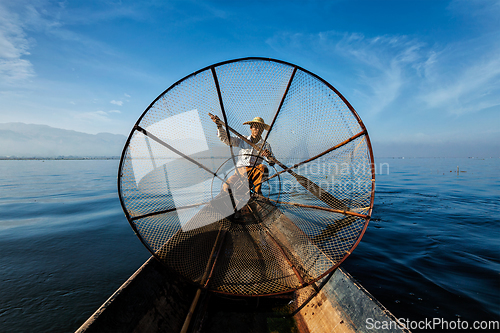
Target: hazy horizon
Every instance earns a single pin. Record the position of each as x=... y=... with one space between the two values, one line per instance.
x=23 y=140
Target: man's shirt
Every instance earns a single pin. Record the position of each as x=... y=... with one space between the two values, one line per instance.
x=247 y=154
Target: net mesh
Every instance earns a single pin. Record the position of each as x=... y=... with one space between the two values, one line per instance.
x=230 y=237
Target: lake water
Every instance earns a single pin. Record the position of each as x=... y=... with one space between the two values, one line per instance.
x=431 y=250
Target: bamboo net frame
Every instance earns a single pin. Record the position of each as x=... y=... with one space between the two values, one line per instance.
x=314 y=207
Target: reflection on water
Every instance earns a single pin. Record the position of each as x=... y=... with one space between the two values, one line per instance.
x=65 y=244
x=431 y=249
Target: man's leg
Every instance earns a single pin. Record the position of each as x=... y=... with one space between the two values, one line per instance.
x=256 y=175
x=236 y=178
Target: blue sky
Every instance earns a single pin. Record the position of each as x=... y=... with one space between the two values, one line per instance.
x=419 y=73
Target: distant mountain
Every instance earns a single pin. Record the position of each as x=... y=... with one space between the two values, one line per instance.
x=29 y=140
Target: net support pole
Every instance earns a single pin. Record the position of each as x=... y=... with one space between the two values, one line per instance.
x=283 y=253
x=223 y=111
x=299 y=277
x=189 y=316
x=208 y=270
x=312 y=187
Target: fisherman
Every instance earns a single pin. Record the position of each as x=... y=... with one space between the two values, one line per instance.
x=248 y=164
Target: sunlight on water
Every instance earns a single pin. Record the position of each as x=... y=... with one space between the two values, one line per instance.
x=65 y=243
x=431 y=249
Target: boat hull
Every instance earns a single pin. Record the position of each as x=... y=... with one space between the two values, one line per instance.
x=154 y=299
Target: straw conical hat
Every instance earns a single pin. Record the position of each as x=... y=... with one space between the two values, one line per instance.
x=257 y=120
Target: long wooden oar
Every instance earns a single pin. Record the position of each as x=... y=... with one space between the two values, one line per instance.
x=312 y=187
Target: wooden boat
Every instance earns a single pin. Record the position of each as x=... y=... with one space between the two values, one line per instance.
x=156 y=300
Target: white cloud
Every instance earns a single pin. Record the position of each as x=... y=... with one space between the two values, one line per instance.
x=19 y=18
x=14 y=44
x=93 y=116
x=96 y=116
x=468 y=85
x=381 y=65
x=127 y=95
x=398 y=72
x=385 y=65
x=119 y=103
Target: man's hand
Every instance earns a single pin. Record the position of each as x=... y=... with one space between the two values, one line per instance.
x=216 y=120
x=265 y=153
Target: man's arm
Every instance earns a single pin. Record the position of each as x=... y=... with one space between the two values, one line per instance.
x=268 y=154
x=222 y=134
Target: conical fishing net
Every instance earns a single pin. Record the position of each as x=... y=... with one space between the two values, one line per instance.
x=246 y=215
